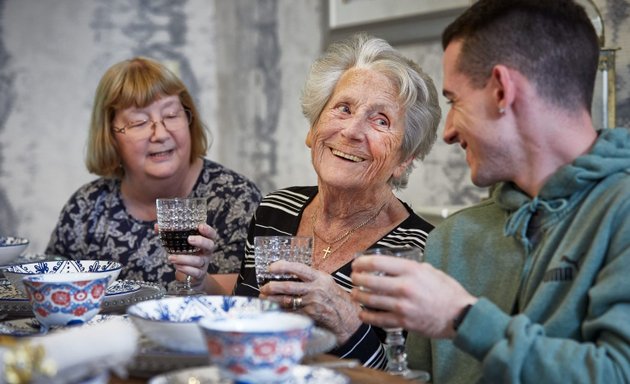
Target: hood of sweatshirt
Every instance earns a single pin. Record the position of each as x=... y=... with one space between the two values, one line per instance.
x=610 y=154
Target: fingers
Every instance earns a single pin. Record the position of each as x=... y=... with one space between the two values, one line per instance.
x=388 y=265
x=293 y=303
x=209 y=232
x=302 y=271
x=192 y=265
x=369 y=299
x=206 y=240
x=380 y=319
x=288 y=288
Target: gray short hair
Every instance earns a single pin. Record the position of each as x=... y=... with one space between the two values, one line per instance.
x=416 y=90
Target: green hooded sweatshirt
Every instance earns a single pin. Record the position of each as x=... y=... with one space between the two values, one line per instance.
x=552 y=274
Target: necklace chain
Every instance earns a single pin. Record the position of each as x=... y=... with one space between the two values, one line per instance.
x=345 y=236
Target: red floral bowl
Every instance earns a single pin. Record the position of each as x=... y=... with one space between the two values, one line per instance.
x=65 y=299
x=262 y=348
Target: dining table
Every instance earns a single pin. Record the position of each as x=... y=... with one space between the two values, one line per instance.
x=355 y=372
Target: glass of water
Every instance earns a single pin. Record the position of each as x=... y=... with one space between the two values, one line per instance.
x=395 y=340
x=269 y=249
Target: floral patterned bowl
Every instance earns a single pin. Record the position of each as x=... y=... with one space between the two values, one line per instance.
x=261 y=348
x=15 y=273
x=172 y=322
x=65 y=299
x=11 y=248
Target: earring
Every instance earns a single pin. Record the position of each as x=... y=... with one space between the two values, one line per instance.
x=501 y=110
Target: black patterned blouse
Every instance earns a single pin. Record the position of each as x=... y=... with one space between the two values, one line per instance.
x=94 y=224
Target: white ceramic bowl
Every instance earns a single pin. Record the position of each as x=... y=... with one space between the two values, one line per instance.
x=15 y=273
x=172 y=322
x=11 y=248
x=262 y=348
x=65 y=299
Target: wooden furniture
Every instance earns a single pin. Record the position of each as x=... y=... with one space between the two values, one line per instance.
x=357 y=375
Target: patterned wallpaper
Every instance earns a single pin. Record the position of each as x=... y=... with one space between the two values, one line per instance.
x=7 y=212
x=617 y=30
x=244 y=62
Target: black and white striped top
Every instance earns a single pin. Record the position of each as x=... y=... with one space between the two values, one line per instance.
x=280 y=213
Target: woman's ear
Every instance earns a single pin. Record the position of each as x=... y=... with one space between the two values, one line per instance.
x=402 y=167
x=309 y=138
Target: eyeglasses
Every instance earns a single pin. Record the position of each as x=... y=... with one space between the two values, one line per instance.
x=145 y=128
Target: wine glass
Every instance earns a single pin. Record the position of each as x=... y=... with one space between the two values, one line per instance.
x=395 y=340
x=179 y=218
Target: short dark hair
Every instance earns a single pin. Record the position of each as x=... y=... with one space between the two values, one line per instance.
x=551 y=42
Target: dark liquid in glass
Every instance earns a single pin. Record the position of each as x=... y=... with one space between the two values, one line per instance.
x=277 y=278
x=177 y=241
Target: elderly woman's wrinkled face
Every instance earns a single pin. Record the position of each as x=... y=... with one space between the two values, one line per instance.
x=356 y=143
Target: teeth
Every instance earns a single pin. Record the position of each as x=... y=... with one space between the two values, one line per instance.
x=347 y=156
x=160 y=153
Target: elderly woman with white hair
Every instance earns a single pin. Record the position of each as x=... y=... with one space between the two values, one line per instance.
x=373 y=113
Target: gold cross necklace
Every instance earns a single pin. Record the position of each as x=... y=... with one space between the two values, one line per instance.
x=345 y=236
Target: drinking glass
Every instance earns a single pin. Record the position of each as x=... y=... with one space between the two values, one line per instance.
x=269 y=249
x=179 y=218
x=394 y=340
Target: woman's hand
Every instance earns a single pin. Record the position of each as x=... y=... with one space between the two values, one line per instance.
x=196 y=265
x=319 y=297
x=408 y=294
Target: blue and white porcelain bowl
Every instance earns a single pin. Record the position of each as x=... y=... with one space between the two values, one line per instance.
x=65 y=299
x=15 y=273
x=11 y=248
x=172 y=322
x=257 y=349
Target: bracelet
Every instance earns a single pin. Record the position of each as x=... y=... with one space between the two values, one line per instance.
x=457 y=321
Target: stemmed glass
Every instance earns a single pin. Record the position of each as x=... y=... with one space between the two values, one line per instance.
x=394 y=340
x=179 y=218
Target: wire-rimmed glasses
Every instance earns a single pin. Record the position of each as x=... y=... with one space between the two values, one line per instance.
x=172 y=121
x=395 y=340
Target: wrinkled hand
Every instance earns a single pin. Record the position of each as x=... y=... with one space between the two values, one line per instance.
x=322 y=299
x=196 y=265
x=408 y=294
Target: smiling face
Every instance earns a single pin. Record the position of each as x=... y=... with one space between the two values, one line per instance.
x=472 y=122
x=160 y=154
x=355 y=144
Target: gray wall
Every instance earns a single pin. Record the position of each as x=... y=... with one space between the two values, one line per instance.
x=244 y=61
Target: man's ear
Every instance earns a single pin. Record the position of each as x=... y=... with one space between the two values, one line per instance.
x=504 y=86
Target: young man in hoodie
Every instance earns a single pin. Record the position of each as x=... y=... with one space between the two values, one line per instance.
x=530 y=286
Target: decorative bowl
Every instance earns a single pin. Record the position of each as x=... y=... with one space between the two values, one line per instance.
x=65 y=299
x=172 y=322
x=261 y=348
x=11 y=248
x=15 y=273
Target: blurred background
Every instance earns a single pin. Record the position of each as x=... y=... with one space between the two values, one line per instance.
x=244 y=62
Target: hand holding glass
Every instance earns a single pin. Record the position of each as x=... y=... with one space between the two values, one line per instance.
x=394 y=341
x=179 y=218
x=269 y=249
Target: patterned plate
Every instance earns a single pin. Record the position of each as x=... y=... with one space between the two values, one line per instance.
x=13 y=305
x=122 y=287
x=300 y=374
x=153 y=359
x=31 y=327
x=118 y=287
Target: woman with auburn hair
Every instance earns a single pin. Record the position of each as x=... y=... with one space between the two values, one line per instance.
x=147 y=141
